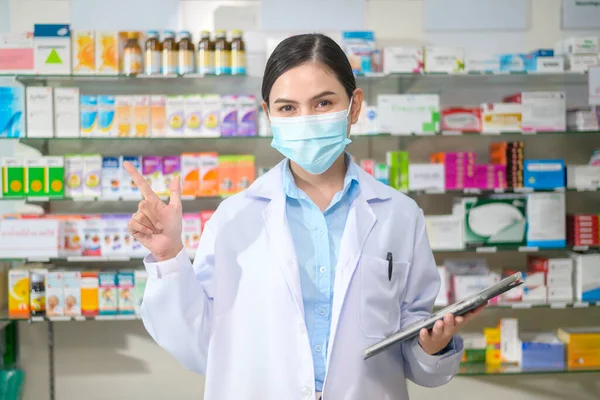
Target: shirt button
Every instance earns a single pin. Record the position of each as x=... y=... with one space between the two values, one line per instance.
x=318 y=348
x=306 y=391
x=321 y=231
x=322 y=311
x=323 y=270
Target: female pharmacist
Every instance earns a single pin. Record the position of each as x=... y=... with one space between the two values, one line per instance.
x=291 y=280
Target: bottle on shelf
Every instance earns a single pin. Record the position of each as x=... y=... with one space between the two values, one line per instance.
x=206 y=54
x=37 y=297
x=132 y=55
x=152 y=54
x=222 y=54
x=186 y=53
x=169 y=53
x=238 y=53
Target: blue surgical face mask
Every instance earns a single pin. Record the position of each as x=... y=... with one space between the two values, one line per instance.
x=313 y=142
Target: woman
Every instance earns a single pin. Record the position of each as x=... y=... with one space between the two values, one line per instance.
x=291 y=280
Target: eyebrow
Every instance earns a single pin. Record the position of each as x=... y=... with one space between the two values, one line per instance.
x=322 y=94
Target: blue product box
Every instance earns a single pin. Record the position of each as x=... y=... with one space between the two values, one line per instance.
x=542 y=53
x=512 y=62
x=544 y=174
x=359 y=47
x=12 y=112
x=540 y=355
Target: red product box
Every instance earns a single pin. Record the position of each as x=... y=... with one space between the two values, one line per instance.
x=461 y=119
x=513 y=98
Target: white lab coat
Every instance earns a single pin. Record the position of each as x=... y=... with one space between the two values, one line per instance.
x=236 y=315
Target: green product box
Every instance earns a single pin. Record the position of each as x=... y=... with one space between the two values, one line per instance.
x=35 y=177
x=398 y=173
x=13 y=177
x=495 y=220
x=473 y=356
x=55 y=176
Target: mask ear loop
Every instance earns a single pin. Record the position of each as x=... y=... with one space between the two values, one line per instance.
x=350 y=106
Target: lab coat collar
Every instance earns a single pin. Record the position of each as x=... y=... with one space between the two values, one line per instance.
x=270 y=185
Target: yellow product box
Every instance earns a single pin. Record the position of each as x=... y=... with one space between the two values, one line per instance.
x=492 y=352
x=582 y=346
x=124 y=115
x=107 y=53
x=141 y=116
x=84 y=52
x=13 y=177
x=18 y=293
x=158 y=116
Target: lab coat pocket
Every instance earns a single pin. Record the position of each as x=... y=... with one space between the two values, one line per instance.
x=379 y=310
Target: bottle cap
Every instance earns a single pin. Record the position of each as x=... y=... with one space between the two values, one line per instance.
x=132 y=35
x=152 y=34
x=185 y=34
x=37 y=278
x=205 y=34
x=169 y=34
x=236 y=33
x=221 y=32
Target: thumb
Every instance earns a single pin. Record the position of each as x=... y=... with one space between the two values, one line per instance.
x=175 y=192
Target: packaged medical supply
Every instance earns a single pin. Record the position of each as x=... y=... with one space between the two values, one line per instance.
x=577 y=45
x=192 y=109
x=107 y=113
x=128 y=188
x=426 y=177
x=399 y=60
x=541 y=111
x=397 y=162
x=141 y=116
x=89 y=293
x=444 y=59
x=158 y=115
x=13 y=177
x=501 y=117
x=587 y=277
x=460 y=119
x=582 y=346
x=445 y=232
x=229 y=124
x=107 y=293
x=66 y=112
x=40 y=114
x=482 y=64
x=55 y=296
x=84 y=52
x=583 y=176
x=52 y=49
x=18 y=293
x=546 y=222
x=92 y=172
x=176 y=120
x=72 y=293
x=510 y=345
x=542 y=351
x=409 y=114
x=12 y=112
x=359 y=47
x=107 y=53
x=211 y=114
x=125 y=291
x=544 y=174
x=246 y=114
x=89 y=115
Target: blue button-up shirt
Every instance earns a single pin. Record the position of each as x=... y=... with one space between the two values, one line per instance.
x=317 y=236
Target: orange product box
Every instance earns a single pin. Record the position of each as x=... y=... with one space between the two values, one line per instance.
x=18 y=293
x=190 y=174
x=89 y=293
x=245 y=172
x=582 y=346
x=141 y=116
x=124 y=115
x=208 y=172
x=227 y=175
x=437 y=158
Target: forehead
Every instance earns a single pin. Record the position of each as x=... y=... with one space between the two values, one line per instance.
x=305 y=81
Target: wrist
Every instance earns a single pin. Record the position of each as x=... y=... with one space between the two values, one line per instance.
x=169 y=254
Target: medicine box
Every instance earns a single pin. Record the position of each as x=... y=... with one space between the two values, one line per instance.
x=444 y=59
x=141 y=116
x=541 y=111
x=582 y=346
x=74 y=176
x=208 y=174
x=84 y=52
x=171 y=169
x=128 y=187
x=176 y=120
x=229 y=112
x=495 y=220
x=107 y=109
x=89 y=293
x=246 y=116
x=546 y=222
x=192 y=106
x=577 y=45
x=66 y=112
x=191 y=230
x=89 y=115
x=40 y=114
x=190 y=172
x=426 y=177
x=92 y=228
x=126 y=287
x=111 y=177
x=587 y=277
x=464 y=286
x=509 y=340
x=445 y=232
x=458 y=119
x=107 y=293
x=18 y=293
x=398 y=163
x=55 y=172
x=92 y=172
x=537 y=295
x=211 y=113
x=244 y=171
x=409 y=114
x=12 y=112
x=583 y=176
x=55 y=297
x=398 y=60
x=544 y=174
x=153 y=174
x=542 y=352
x=72 y=293
x=124 y=116
x=52 y=49
x=158 y=116
x=581 y=62
x=482 y=64
x=501 y=117
x=107 y=53
x=36 y=179
x=13 y=177
x=141 y=277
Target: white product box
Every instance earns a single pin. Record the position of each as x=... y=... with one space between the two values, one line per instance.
x=445 y=232
x=92 y=172
x=473 y=340
x=426 y=177
x=66 y=112
x=560 y=294
x=52 y=49
x=175 y=116
x=534 y=279
x=128 y=188
x=442 y=298
x=501 y=117
x=468 y=285
x=546 y=222
x=407 y=114
x=211 y=113
x=398 y=60
x=73 y=176
x=192 y=106
x=55 y=299
x=550 y=65
x=535 y=295
x=40 y=116
x=560 y=266
x=72 y=292
x=444 y=59
x=583 y=176
x=580 y=62
x=510 y=345
x=565 y=280
x=514 y=295
x=543 y=111
x=577 y=45
x=587 y=277
x=111 y=177
x=484 y=64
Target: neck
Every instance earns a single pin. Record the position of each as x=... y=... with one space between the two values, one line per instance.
x=321 y=188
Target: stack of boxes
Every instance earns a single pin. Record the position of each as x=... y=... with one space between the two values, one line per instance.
x=587 y=277
x=459 y=168
x=397 y=162
x=509 y=154
x=582 y=346
x=582 y=230
x=579 y=53
x=541 y=111
x=556 y=275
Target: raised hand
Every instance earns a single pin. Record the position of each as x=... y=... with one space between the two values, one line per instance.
x=155 y=224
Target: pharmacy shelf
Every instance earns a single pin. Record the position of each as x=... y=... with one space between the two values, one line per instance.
x=125 y=258
x=470 y=192
x=486 y=370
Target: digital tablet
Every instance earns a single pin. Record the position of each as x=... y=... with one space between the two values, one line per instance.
x=460 y=308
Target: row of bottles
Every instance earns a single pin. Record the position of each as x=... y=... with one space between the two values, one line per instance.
x=218 y=57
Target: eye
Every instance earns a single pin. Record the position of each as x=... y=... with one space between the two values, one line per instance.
x=323 y=103
x=286 y=108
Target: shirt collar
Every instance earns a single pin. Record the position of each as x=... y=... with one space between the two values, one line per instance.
x=291 y=190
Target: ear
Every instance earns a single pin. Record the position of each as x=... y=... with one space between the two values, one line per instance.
x=357 y=100
x=265 y=108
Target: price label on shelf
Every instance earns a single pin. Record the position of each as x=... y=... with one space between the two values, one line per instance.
x=594 y=85
x=528 y=249
x=486 y=249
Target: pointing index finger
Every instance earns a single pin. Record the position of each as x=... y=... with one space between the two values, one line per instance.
x=140 y=182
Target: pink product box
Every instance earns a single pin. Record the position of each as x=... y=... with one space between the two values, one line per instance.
x=460 y=156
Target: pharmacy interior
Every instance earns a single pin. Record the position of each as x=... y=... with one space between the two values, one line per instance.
x=487 y=114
